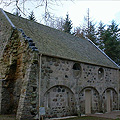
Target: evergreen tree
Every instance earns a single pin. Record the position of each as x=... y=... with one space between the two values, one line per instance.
x=89 y=29
x=67 y=25
x=111 y=41
x=32 y=16
x=100 y=33
x=91 y=32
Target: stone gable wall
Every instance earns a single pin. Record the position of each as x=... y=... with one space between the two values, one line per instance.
x=19 y=78
x=11 y=74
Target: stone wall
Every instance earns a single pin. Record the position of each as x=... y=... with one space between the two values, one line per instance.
x=19 y=74
x=11 y=74
x=28 y=104
x=75 y=78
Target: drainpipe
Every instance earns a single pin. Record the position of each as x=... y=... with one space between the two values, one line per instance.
x=118 y=87
x=39 y=86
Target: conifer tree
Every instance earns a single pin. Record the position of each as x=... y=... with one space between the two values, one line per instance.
x=89 y=29
x=32 y=16
x=67 y=25
x=91 y=32
x=100 y=33
x=111 y=40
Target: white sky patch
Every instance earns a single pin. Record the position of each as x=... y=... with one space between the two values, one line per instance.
x=99 y=10
x=104 y=11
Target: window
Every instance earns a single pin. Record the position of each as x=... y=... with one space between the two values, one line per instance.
x=100 y=73
x=76 y=70
x=76 y=66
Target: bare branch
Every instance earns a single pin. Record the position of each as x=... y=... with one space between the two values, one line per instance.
x=1 y=1
x=19 y=7
x=44 y=3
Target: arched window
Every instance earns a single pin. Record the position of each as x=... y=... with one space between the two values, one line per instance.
x=100 y=73
x=76 y=66
x=77 y=70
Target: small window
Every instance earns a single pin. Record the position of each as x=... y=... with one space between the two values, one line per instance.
x=76 y=70
x=76 y=66
x=100 y=73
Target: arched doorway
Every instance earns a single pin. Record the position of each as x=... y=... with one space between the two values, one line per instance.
x=89 y=100
x=59 y=101
x=110 y=100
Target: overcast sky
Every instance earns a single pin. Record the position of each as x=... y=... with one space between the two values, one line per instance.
x=104 y=10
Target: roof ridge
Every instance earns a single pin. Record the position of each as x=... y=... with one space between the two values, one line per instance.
x=10 y=24
x=28 y=39
x=102 y=52
x=7 y=18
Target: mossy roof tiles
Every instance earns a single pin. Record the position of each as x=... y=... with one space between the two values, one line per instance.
x=53 y=42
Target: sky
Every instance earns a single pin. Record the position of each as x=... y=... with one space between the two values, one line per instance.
x=99 y=10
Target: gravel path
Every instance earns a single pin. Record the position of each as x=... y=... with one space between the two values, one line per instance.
x=113 y=115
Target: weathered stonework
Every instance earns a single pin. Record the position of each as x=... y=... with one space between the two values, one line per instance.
x=67 y=87
x=11 y=74
x=58 y=73
x=62 y=87
x=28 y=103
x=19 y=72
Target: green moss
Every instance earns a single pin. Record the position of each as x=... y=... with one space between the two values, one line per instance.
x=14 y=51
x=16 y=36
x=7 y=46
x=33 y=102
x=7 y=117
x=35 y=61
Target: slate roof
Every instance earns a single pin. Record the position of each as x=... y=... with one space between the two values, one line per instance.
x=53 y=42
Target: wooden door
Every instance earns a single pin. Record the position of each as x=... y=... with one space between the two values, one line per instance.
x=88 y=101
x=108 y=96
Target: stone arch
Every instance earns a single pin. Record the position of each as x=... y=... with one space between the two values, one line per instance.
x=59 y=101
x=109 y=100
x=91 y=95
x=54 y=84
x=88 y=88
x=110 y=88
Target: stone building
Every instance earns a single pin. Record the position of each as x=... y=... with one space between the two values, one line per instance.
x=44 y=67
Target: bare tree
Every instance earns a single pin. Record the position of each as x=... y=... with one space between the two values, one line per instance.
x=79 y=32
x=55 y=22
x=20 y=5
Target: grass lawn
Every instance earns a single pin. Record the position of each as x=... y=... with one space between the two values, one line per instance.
x=90 y=118
x=10 y=117
x=7 y=117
